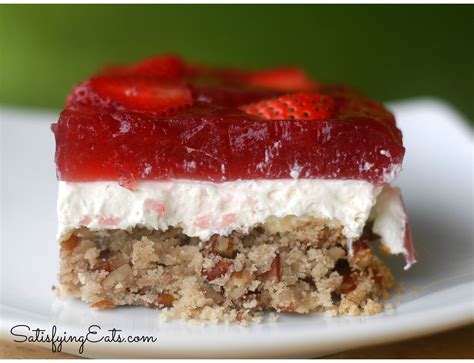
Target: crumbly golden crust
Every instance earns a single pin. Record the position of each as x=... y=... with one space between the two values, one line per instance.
x=289 y=264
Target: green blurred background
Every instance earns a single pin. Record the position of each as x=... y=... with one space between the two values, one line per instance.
x=389 y=51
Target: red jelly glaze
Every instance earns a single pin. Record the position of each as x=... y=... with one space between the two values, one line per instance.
x=214 y=140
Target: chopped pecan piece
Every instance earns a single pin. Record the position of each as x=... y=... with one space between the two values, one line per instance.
x=362 y=255
x=349 y=283
x=274 y=273
x=223 y=246
x=110 y=264
x=286 y=309
x=219 y=269
x=70 y=243
x=103 y=304
x=360 y=246
x=214 y=295
x=119 y=275
x=162 y=300
x=104 y=254
x=238 y=283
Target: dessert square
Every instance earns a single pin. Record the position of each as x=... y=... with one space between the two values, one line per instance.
x=220 y=194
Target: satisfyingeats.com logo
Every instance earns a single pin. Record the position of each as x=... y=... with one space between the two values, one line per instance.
x=94 y=334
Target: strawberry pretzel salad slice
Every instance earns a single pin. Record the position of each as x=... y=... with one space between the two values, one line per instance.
x=219 y=194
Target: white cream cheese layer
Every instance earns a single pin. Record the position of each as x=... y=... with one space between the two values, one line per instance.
x=202 y=209
x=390 y=222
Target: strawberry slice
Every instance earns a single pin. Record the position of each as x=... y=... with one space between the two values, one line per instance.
x=166 y=67
x=299 y=106
x=84 y=94
x=282 y=79
x=142 y=93
x=352 y=103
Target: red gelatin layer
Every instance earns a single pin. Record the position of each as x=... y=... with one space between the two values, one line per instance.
x=202 y=132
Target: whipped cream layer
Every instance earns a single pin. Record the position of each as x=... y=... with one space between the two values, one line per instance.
x=390 y=222
x=202 y=209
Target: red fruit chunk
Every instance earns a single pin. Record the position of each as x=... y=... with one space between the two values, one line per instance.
x=282 y=79
x=142 y=93
x=130 y=136
x=299 y=106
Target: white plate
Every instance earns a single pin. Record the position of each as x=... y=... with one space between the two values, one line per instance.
x=437 y=292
